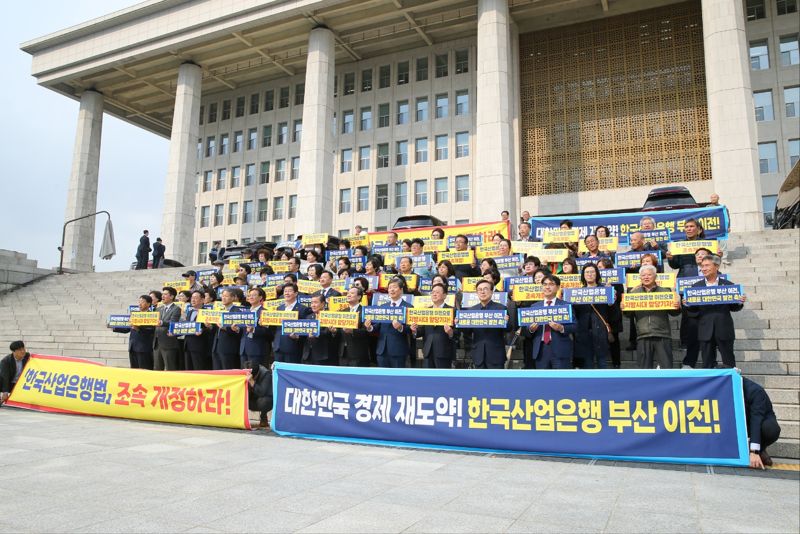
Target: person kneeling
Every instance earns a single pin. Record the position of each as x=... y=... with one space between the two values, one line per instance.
x=259 y=385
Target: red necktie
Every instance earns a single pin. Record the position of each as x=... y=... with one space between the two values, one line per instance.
x=546 y=333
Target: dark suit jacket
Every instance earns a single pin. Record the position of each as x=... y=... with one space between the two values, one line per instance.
x=285 y=344
x=714 y=321
x=685 y=263
x=203 y=342
x=144 y=245
x=226 y=341
x=560 y=343
x=323 y=347
x=8 y=369
x=757 y=408
x=158 y=252
x=391 y=342
x=489 y=344
x=331 y=293
x=436 y=343
x=162 y=340
x=356 y=344
x=141 y=340
x=256 y=344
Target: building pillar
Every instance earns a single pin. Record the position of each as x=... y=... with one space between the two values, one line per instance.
x=315 y=194
x=180 y=188
x=82 y=193
x=731 y=118
x=494 y=182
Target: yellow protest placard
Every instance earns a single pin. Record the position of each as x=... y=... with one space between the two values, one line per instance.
x=435 y=245
x=279 y=266
x=340 y=303
x=468 y=284
x=411 y=280
x=487 y=230
x=179 y=285
x=338 y=319
x=276 y=317
x=272 y=304
x=270 y=292
x=338 y=284
x=488 y=251
x=308 y=286
x=218 y=305
x=458 y=257
x=315 y=239
x=210 y=316
x=570 y=280
x=357 y=240
x=529 y=248
x=233 y=263
x=529 y=292
x=144 y=318
x=552 y=255
x=561 y=236
x=424 y=301
x=607 y=244
x=430 y=316
x=662 y=279
x=690 y=247
x=661 y=300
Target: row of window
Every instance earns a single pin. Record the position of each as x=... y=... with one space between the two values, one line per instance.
x=241 y=104
x=441 y=152
x=787 y=51
x=763 y=103
x=234 y=179
x=757 y=9
x=768 y=155
x=259 y=210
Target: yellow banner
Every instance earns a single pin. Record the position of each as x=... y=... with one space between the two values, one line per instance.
x=271 y=292
x=338 y=319
x=411 y=280
x=233 y=264
x=357 y=240
x=340 y=303
x=607 y=244
x=570 y=280
x=424 y=301
x=690 y=247
x=561 y=236
x=338 y=284
x=279 y=266
x=487 y=230
x=144 y=318
x=552 y=255
x=315 y=239
x=488 y=251
x=70 y=385
x=228 y=281
x=458 y=257
x=649 y=301
x=210 y=316
x=662 y=279
x=275 y=318
x=435 y=245
x=528 y=292
x=179 y=285
x=308 y=286
x=273 y=304
x=529 y=248
x=218 y=305
x=429 y=316
x=468 y=284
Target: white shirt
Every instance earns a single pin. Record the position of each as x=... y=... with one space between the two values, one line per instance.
x=289 y=307
x=714 y=283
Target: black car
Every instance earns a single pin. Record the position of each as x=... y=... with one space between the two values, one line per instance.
x=417 y=221
x=787 y=205
x=235 y=251
x=165 y=264
x=674 y=197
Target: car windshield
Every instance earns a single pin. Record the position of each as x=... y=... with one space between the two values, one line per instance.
x=669 y=200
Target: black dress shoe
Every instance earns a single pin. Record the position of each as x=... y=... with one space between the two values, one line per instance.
x=766 y=459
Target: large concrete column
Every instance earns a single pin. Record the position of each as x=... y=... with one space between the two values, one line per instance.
x=315 y=195
x=82 y=193
x=493 y=184
x=731 y=119
x=177 y=223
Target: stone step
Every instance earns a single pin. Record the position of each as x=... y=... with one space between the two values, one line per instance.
x=786 y=412
x=785 y=448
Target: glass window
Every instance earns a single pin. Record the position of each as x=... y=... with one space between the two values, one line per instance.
x=791 y=100
x=755 y=10
x=299 y=94
x=219 y=214
x=205 y=215
x=295 y=172
x=226 y=110
x=240 y=106
x=222 y=178
x=263 y=177
x=462 y=102
x=238 y=139
x=297 y=132
x=266 y=136
x=381 y=196
x=422 y=109
x=441 y=147
x=269 y=100
x=249 y=174
x=347 y=160
x=768 y=205
x=462 y=144
x=794 y=152
x=280 y=170
x=233 y=213
x=277 y=208
x=366 y=80
x=763 y=104
x=421 y=150
x=441 y=106
x=383 y=115
x=347 y=121
x=283 y=100
x=440 y=190
x=202 y=115
x=784 y=7
x=400 y=195
x=224 y=142
x=212 y=112
x=365 y=122
x=349 y=83
x=277 y=238
x=383 y=155
x=420 y=192
x=335 y=85
x=462 y=188
x=252 y=138
x=247 y=211
x=292 y=206
x=199 y=148
x=208 y=178
x=262 y=210
x=236 y=175
x=422 y=68
x=202 y=252
x=344 y=200
x=254 y=101
x=384 y=76
x=211 y=143
x=462 y=61
x=401 y=153
x=402 y=112
x=768 y=157
x=363 y=158
x=402 y=73
x=789 y=51
x=441 y=65
x=363 y=198
x=283 y=133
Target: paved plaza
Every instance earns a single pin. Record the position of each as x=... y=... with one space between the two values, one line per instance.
x=62 y=473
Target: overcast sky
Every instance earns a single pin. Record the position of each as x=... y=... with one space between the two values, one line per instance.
x=38 y=140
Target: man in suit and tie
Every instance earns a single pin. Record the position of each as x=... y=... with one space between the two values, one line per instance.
x=140 y=343
x=325 y=280
x=294 y=268
x=158 y=253
x=714 y=322
x=166 y=347
x=552 y=345
x=321 y=349
x=354 y=345
x=762 y=425
x=488 y=344
x=524 y=231
x=198 y=346
x=438 y=342
x=143 y=251
x=289 y=348
x=227 y=341
x=471 y=269
x=393 y=339
x=255 y=343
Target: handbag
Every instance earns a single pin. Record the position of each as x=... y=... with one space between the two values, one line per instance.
x=611 y=337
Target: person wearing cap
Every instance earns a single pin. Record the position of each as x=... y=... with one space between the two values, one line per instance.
x=194 y=285
x=259 y=386
x=11 y=369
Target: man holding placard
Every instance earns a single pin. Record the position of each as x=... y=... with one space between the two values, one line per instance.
x=488 y=343
x=320 y=349
x=289 y=348
x=354 y=346
x=140 y=344
x=438 y=342
x=166 y=347
x=226 y=346
x=254 y=346
x=552 y=345
x=393 y=338
x=198 y=346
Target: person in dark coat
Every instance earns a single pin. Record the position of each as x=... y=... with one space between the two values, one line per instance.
x=256 y=340
x=552 y=344
x=227 y=341
x=198 y=346
x=143 y=251
x=393 y=338
x=11 y=368
x=259 y=388
x=354 y=345
x=158 y=253
x=321 y=349
x=166 y=347
x=289 y=348
x=140 y=344
x=488 y=344
x=762 y=425
x=438 y=342
x=594 y=326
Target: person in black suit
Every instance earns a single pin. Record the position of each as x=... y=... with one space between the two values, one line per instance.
x=11 y=368
x=354 y=343
x=259 y=386
x=593 y=325
x=143 y=251
x=552 y=345
x=294 y=268
x=289 y=348
x=438 y=342
x=762 y=425
x=321 y=349
x=227 y=341
x=255 y=341
x=140 y=343
x=524 y=231
x=714 y=322
x=462 y=244
x=325 y=280
x=158 y=253
x=488 y=344
x=166 y=347
x=393 y=339
x=198 y=346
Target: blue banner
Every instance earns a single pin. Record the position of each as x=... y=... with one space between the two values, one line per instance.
x=481 y=318
x=634 y=258
x=185 y=328
x=590 y=295
x=683 y=282
x=336 y=254
x=544 y=314
x=511 y=281
x=383 y=314
x=613 y=276
x=714 y=220
x=383 y=249
x=659 y=236
x=238 y=318
x=675 y=416
x=713 y=295
x=581 y=261
x=371 y=280
x=379 y=299
x=300 y=327
x=424 y=285
x=473 y=240
x=471 y=299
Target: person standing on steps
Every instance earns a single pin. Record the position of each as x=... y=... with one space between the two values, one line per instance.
x=143 y=251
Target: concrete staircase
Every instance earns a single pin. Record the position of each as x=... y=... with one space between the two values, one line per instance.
x=16 y=269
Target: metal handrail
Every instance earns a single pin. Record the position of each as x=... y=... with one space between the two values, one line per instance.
x=64 y=236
